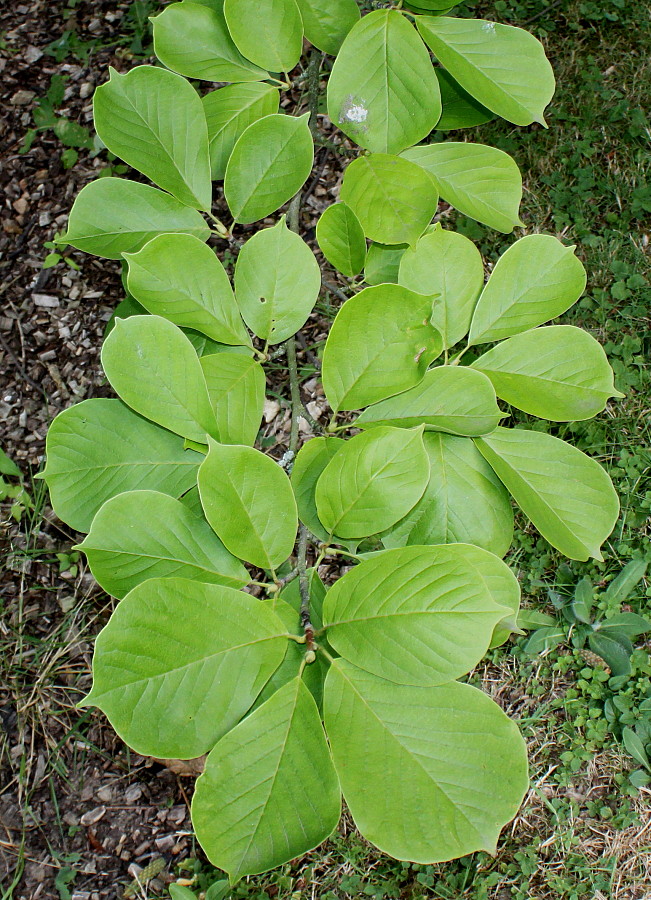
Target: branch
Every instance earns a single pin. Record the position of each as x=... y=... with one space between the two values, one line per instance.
x=304 y=588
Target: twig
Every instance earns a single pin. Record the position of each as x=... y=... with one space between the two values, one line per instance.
x=297 y=404
x=334 y=290
x=316 y=362
x=542 y=12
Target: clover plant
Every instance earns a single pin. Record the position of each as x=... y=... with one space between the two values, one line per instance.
x=357 y=688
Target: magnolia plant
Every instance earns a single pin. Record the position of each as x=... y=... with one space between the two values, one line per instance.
x=301 y=693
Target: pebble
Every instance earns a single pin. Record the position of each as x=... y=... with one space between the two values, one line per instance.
x=93 y=816
x=270 y=410
x=32 y=54
x=47 y=301
x=133 y=793
x=22 y=98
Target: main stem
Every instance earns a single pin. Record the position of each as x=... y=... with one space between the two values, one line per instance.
x=293 y=222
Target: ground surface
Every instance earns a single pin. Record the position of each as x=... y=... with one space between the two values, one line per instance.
x=79 y=814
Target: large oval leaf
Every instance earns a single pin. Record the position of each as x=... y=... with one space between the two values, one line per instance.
x=248 y=501
x=449 y=267
x=145 y=534
x=153 y=367
x=327 y=22
x=269 y=32
x=393 y=198
x=481 y=182
x=236 y=386
x=180 y=663
x=428 y=773
x=389 y=327
x=559 y=373
x=269 y=791
x=372 y=482
x=341 y=239
x=154 y=121
x=179 y=277
x=310 y=462
x=100 y=448
x=193 y=40
x=449 y=398
x=503 y=67
x=382 y=91
x=415 y=615
x=463 y=502
x=112 y=216
x=537 y=279
x=269 y=164
x=277 y=282
x=568 y=496
x=229 y=112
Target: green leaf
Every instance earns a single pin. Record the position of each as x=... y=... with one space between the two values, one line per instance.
x=415 y=615
x=327 y=22
x=447 y=266
x=568 y=496
x=277 y=282
x=383 y=263
x=310 y=462
x=145 y=534
x=154 y=121
x=448 y=398
x=269 y=792
x=249 y=502
x=544 y=639
x=270 y=162
x=635 y=747
x=372 y=482
x=628 y=624
x=179 y=892
x=537 y=279
x=429 y=773
x=481 y=182
x=463 y=502
x=236 y=387
x=180 y=663
x=559 y=373
x=179 y=277
x=393 y=198
x=394 y=343
x=382 y=91
x=583 y=600
x=341 y=239
x=193 y=40
x=8 y=466
x=100 y=448
x=229 y=112
x=112 y=216
x=153 y=367
x=615 y=650
x=268 y=32
x=503 y=67
x=460 y=109
x=621 y=587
